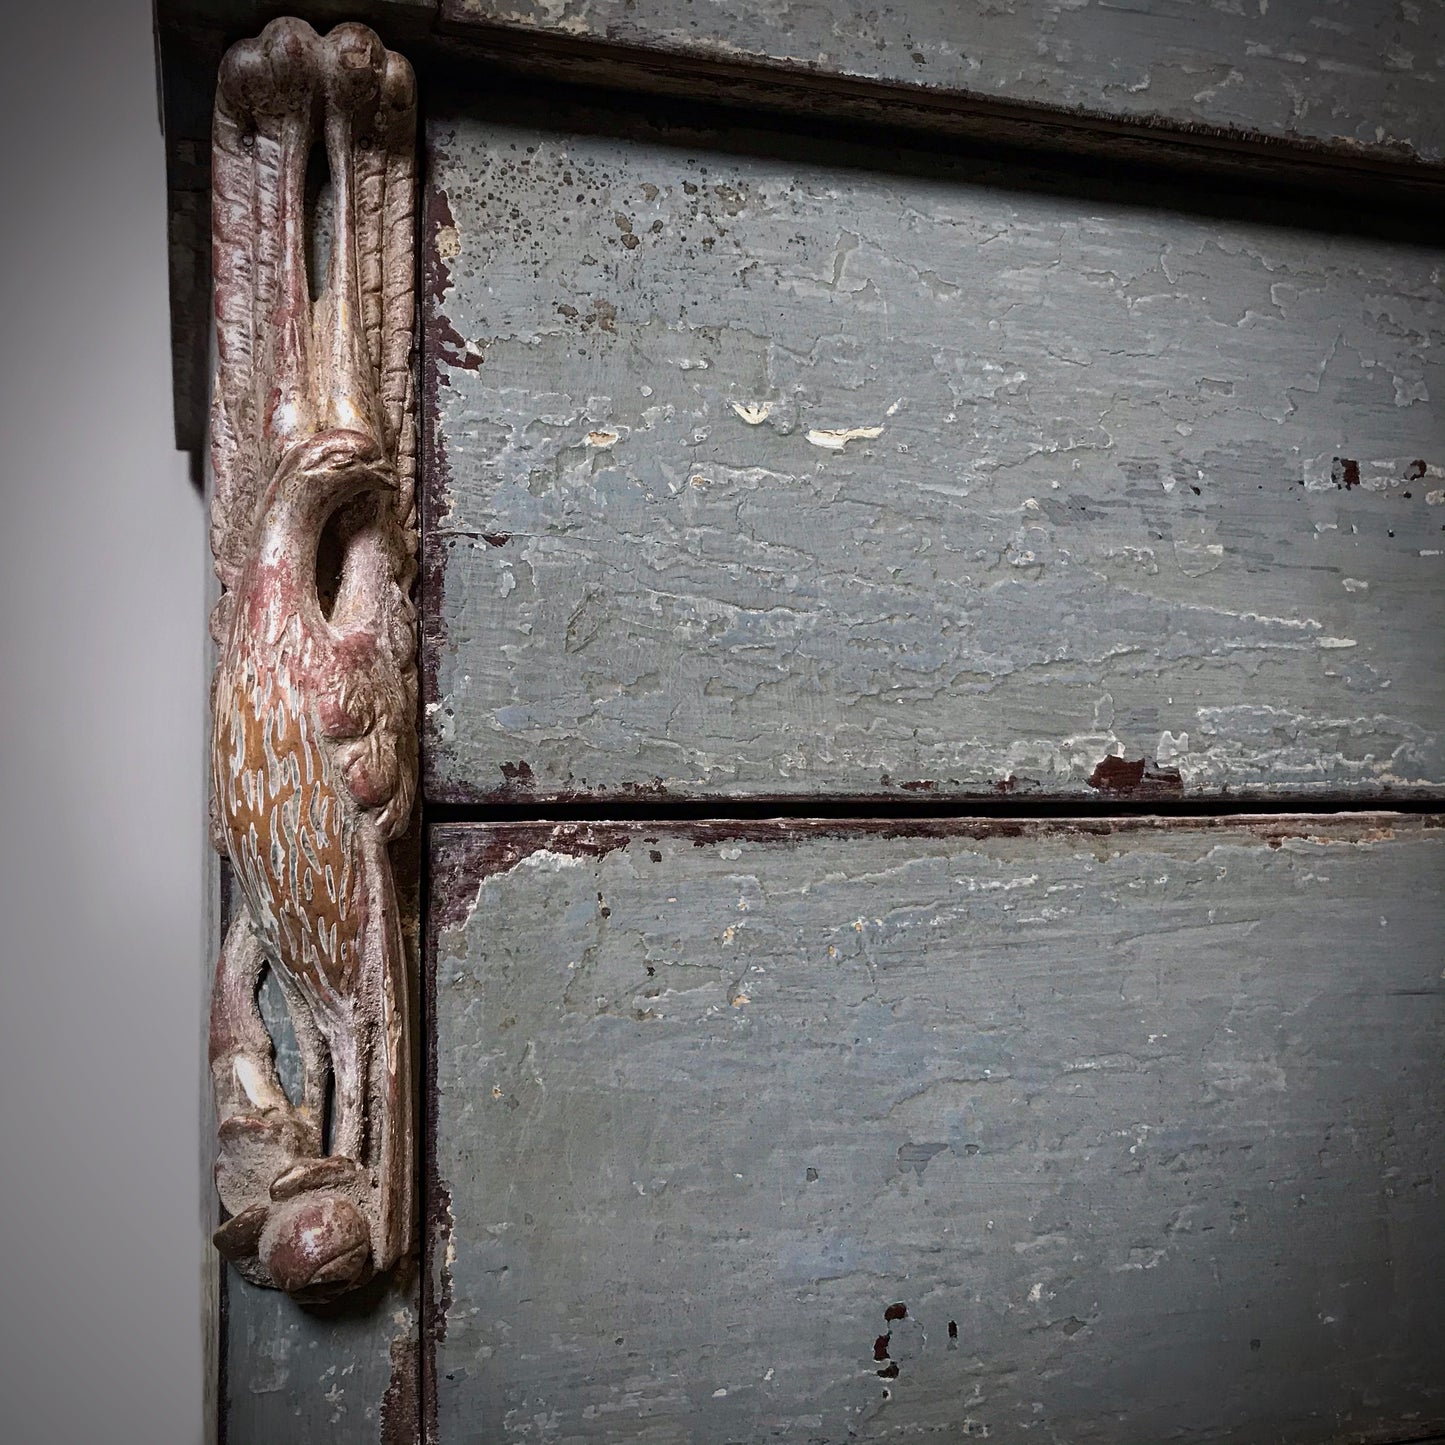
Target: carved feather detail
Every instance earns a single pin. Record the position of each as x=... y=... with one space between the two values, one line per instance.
x=314 y=740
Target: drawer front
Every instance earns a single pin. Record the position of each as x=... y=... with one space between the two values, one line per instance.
x=766 y=467
x=831 y=1132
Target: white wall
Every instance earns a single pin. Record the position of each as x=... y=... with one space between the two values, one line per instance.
x=102 y=576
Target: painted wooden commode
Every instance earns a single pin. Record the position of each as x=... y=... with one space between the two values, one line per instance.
x=828 y=716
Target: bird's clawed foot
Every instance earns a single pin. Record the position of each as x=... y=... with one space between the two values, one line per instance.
x=305 y=1229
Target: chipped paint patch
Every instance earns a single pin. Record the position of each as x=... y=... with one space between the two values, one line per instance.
x=400 y=1405
x=755 y=413
x=1195 y=559
x=835 y=439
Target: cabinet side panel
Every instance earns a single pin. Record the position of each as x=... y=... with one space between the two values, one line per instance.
x=348 y=1378
x=1100 y=1134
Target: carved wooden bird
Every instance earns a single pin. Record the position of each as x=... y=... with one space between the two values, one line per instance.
x=314 y=742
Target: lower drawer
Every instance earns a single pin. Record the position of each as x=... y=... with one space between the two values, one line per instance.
x=1108 y=1132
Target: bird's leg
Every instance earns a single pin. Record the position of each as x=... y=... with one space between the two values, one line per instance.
x=349 y=1048
x=243 y=1056
x=384 y=975
x=369 y=1149
x=260 y=1135
x=311 y=1045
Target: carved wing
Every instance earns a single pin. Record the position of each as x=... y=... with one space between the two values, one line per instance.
x=288 y=367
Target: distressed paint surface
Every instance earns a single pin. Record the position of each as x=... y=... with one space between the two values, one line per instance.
x=347 y=1378
x=1353 y=71
x=1029 y=74
x=1086 y=1133
x=771 y=471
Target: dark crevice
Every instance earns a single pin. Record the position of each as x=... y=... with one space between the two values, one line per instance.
x=661 y=809
x=330 y=563
x=1280 y=184
x=319 y=219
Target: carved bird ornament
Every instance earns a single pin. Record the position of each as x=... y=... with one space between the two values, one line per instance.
x=314 y=740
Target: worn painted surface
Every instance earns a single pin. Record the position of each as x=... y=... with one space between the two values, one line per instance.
x=755 y=1131
x=1357 y=71
x=347 y=1378
x=772 y=470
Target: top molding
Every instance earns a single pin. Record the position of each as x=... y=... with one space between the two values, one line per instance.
x=1354 y=78
x=1349 y=82
x=1336 y=98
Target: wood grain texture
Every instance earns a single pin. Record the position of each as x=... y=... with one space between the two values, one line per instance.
x=1353 y=74
x=1333 y=78
x=772 y=466
x=1086 y=1133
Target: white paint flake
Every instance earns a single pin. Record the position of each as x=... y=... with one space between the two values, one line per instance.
x=755 y=413
x=835 y=439
x=545 y=860
x=1171 y=746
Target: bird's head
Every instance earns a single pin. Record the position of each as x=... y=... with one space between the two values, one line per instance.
x=324 y=471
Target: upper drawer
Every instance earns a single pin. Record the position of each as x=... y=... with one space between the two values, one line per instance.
x=764 y=466
x=1357 y=79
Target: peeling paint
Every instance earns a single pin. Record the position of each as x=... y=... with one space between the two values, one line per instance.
x=834 y=440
